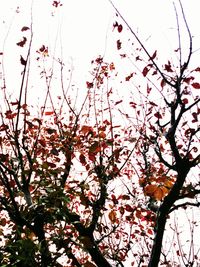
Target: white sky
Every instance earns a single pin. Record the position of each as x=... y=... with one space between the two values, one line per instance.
x=85 y=27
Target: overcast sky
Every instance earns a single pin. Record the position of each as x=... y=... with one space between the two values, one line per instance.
x=84 y=29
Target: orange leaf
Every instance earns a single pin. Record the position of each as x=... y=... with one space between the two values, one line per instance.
x=86 y=129
x=47 y=113
x=102 y=135
x=112 y=216
x=158 y=194
x=150 y=189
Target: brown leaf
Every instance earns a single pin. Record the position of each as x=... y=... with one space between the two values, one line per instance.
x=25 y=28
x=145 y=71
x=22 y=61
x=154 y=55
x=112 y=216
x=119 y=44
x=22 y=42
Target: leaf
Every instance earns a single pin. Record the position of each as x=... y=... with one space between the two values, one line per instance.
x=168 y=67
x=22 y=61
x=118 y=102
x=197 y=69
x=119 y=44
x=82 y=159
x=86 y=129
x=196 y=85
x=112 y=216
x=150 y=232
x=129 y=77
x=145 y=71
x=150 y=189
x=95 y=147
x=185 y=101
x=48 y=113
x=158 y=194
x=112 y=66
x=158 y=115
x=148 y=89
x=22 y=43
x=3 y=127
x=42 y=142
x=163 y=83
x=102 y=135
x=25 y=28
x=92 y=156
x=3 y=221
x=154 y=55
x=89 y=85
x=10 y=115
x=120 y=28
x=56 y=4
x=128 y=208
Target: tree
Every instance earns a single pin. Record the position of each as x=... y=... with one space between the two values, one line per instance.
x=94 y=184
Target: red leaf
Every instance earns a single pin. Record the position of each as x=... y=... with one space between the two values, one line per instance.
x=196 y=85
x=148 y=89
x=10 y=115
x=168 y=67
x=120 y=28
x=197 y=69
x=158 y=115
x=185 y=101
x=92 y=157
x=150 y=232
x=48 y=113
x=188 y=79
x=163 y=83
x=129 y=77
x=42 y=142
x=112 y=66
x=89 y=85
x=154 y=55
x=82 y=159
x=56 y=4
x=145 y=71
x=3 y=127
x=128 y=208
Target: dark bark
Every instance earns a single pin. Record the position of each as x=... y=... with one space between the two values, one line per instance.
x=38 y=229
x=183 y=166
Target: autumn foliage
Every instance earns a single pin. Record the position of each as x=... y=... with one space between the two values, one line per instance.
x=95 y=182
